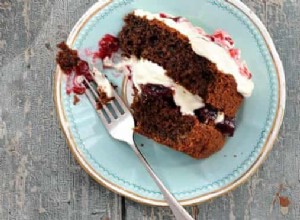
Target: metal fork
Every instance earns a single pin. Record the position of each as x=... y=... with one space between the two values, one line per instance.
x=119 y=125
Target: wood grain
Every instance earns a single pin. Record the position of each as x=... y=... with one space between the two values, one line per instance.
x=39 y=178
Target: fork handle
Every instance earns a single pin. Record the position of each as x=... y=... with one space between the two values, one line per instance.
x=179 y=212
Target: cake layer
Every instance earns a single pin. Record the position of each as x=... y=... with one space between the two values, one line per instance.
x=155 y=41
x=157 y=117
x=218 y=48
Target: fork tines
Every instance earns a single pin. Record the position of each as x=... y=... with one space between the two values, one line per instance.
x=109 y=111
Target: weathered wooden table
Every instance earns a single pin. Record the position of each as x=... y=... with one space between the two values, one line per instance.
x=39 y=178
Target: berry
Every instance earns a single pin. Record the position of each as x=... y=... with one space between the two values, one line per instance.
x=79 y=89
x=162 y=15
x=235 y=53
x=156 y=90
x=206 y=114
x=227 y=127
x=83 y=69
x=223 y=39
x=107 y=46
x=176 y=19
x=245 y=71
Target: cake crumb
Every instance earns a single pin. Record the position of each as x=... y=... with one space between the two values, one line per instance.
x=75 y=100
x=103 y=99
x=284 y=201
x=48 y=46
x=99 y=106
x=142 y=145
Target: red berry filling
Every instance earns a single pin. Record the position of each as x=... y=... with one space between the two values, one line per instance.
x=224 y=40
x=245 y=71
x=227 y=127
x=107 y=46
x=78 y=86
x=208 y=115
x=156 y=90
x=83 y=69
x=235 y=53
x=176 y=19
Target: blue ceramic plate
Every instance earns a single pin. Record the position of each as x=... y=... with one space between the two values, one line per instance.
x=114 y=165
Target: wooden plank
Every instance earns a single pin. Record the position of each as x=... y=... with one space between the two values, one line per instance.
x=256 y=199
x=39 y=178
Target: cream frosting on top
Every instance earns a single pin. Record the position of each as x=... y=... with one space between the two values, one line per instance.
x=220 y=52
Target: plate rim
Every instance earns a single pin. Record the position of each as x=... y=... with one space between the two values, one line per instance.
x=277 y=121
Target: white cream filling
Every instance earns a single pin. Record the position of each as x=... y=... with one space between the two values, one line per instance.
x=103 y=82
x=204 y=47
x=220 y=118
x=146 y=72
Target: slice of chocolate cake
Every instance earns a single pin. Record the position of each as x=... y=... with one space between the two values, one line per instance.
x=188 y=85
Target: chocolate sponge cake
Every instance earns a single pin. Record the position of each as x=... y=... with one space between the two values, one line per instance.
x=188 y=85
x=158 y=117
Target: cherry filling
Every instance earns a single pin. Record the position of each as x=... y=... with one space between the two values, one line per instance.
x=176 y=19
x=151 y=92
x=223 y=39
x=83 y=69
x=208 y=115
x=227 y=127
x=107 y=46
x=156 y=90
